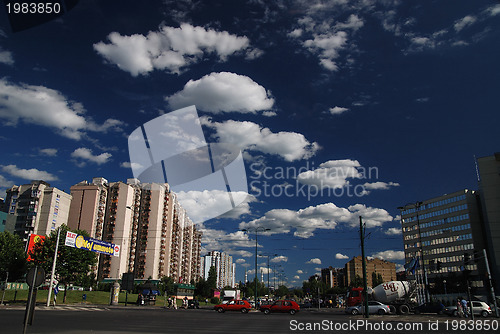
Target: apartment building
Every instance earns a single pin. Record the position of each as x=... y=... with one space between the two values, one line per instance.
x=333 y=277
x=155 y=235
x=354 y=268
x=224 y=267
x=88 y=206
x=38 y=207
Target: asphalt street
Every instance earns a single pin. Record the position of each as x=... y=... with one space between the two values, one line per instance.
x=100 y=319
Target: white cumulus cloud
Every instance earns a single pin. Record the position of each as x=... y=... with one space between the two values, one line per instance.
x=6 y=57
x=223 y=92
x=49 y=152
x=339 y=256
x=43 y=106
x=333 y=174
x=203 y=205
x=315 y=261
x=323 y=216
x=280 y=258
x=87 y=155
x=290 y=146
x=394 y=231
x=29 y=174
x=338 y=110
x=390 y=255
x=171 y=48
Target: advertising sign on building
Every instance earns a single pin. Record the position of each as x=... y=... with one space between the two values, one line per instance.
x=91 y=244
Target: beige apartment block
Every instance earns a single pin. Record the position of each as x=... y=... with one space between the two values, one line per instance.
x=88 y=206
x=355 y=267
x=38 y=207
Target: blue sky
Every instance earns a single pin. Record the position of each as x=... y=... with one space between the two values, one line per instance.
x=341 y=109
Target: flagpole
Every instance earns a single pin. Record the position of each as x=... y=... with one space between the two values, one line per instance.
x=53 y=267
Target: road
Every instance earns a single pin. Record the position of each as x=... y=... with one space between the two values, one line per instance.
x=89 y=319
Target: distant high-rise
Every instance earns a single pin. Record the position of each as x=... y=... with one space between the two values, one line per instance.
x=39 y=208
x=224 y=267
x=489 y=187
x=333 y=277
x=354 y=268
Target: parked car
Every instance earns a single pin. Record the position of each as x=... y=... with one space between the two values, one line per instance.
x=437 y=308
x=374 y=307
x=285 y=306
x=306 y=305
x=234 y=305
x=479 y=308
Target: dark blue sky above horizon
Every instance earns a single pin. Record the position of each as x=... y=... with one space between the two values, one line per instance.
x=410 y=88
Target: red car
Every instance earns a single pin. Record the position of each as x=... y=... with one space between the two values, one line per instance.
x=288 y=306
x=234 y=305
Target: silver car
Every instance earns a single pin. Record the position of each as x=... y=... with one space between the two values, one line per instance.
x=479 y=308
x=374 y=307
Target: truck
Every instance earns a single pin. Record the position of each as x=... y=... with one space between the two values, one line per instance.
x=399 y=295
x=230 y=294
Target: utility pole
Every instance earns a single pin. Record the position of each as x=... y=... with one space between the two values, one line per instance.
x=492 y=289
x=365 y=284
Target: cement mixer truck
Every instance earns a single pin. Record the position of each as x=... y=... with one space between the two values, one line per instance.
x=399 y=295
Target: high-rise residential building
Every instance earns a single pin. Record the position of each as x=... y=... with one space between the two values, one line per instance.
x=39 y=208
x=443 y=228
x=88 y=206
x=489 y=187
x=333 y=277
x=354 y=268
x=155 y=235
x=224 y=267
x=118 y=229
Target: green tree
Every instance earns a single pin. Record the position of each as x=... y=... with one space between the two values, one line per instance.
x=357 y=282
x=166 y=285
x=73 y=265
x=202 y=289
x=282 y=291
x=12 y=256
x=212 y=278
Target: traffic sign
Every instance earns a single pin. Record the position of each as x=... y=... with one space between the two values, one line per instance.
x=39 y=279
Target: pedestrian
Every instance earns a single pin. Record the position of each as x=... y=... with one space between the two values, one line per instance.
x=465 y=309
x=140 y=299
x=206 y=301
x=460 y=311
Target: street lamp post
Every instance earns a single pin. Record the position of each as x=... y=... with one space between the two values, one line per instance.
x=256 y=230
x=268 y=267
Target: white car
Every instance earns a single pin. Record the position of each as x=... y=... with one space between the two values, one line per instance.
x=374 y=307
